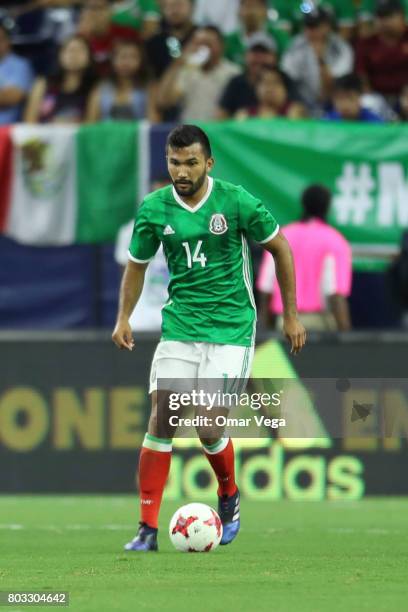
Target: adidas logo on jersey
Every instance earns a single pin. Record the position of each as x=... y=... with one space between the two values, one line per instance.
x=168 y=230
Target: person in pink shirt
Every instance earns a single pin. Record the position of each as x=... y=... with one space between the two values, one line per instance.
x=323 y=269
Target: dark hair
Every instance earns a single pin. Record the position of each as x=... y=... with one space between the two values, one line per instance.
x=276 y=70
x=214 y=30
x=316 y=202
x=348 y=82
x=292 y=95
x=185 y=135
x=142 y=75
x=88 y=78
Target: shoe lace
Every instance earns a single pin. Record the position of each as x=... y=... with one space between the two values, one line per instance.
x=145 y=529
x=226 y=504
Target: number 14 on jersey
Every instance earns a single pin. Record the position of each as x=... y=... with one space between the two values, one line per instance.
x=197 y=256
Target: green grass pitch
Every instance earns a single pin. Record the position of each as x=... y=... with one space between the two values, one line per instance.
x=289 y=556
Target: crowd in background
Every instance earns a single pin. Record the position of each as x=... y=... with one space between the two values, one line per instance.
x=190 y=60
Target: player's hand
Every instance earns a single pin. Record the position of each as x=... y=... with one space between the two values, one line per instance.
x=295 y=333
x=122 y=335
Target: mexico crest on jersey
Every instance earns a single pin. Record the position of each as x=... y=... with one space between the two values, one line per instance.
x=218 y=224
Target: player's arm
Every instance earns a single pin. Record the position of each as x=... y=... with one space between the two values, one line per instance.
x=143 y=246
x=130 y=290
x=259 y=224
x=285 y=274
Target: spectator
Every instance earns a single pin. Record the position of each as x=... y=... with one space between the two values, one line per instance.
x=96 y=26
x=366 y=16
x=224 y=13
x=323 y=268
x=253 y=17
x=273 y=97
x=38 y=26
x=63 y=98
x=15 y=80
x=197 y=79
x=347 y=103
x=403 y=104
x=176 y=31
x=315 y=58
x=141 y=15
x=382 y=59
x=125 y=96
x=240 y=91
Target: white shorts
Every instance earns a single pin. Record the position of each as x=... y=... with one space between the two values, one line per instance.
x=190 y=361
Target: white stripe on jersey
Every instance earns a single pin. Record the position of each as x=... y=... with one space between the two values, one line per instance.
x=247 y=279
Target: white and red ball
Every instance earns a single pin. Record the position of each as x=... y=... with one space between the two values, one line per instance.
x=195 y=528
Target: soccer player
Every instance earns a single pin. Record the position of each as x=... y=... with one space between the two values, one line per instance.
x=208 y=328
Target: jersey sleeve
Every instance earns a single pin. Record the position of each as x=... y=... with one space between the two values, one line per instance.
x=144 y=242
x=256 y=219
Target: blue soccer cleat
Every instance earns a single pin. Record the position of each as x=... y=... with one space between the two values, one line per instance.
x=145 y=541
x=228 y=509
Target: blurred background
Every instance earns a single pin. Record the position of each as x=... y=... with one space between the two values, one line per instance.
x=306 y=105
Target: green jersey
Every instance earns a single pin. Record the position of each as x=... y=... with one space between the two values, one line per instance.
x=133 y=13
x=206 y=247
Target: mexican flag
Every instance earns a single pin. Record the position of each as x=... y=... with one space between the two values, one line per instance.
x=63 y=184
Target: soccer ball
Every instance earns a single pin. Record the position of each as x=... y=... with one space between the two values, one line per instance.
x=195 y=528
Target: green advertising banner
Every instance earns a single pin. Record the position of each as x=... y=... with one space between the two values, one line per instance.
x=105 y=168
x=74 y=412
x=365 y=166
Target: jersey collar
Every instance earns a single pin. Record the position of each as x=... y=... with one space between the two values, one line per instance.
x=199 y=204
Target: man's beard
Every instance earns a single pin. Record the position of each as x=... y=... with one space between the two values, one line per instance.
x=189 y=188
